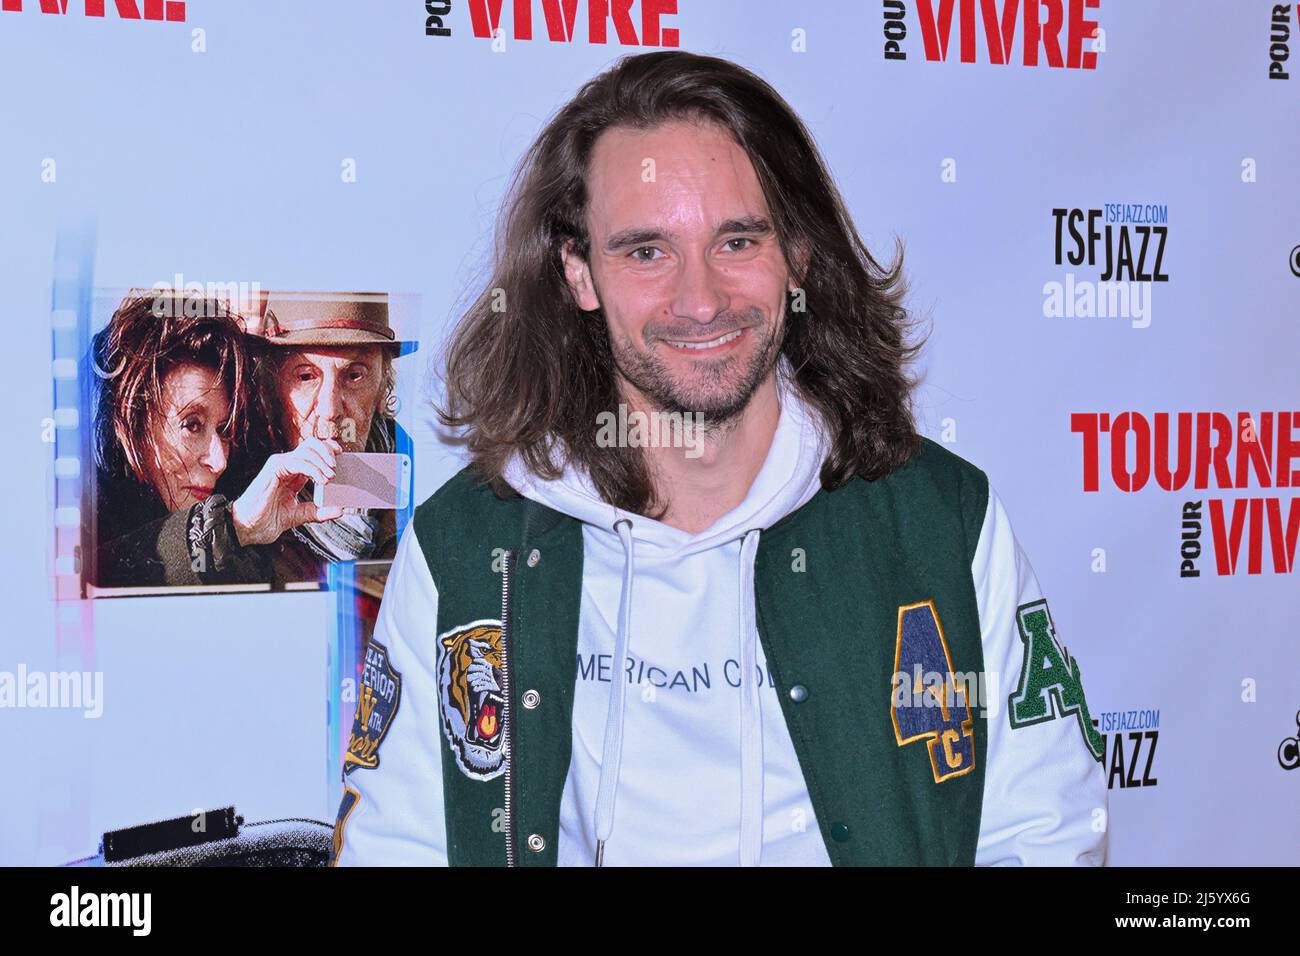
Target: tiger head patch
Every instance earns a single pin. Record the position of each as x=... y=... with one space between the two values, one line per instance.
x=470 y=697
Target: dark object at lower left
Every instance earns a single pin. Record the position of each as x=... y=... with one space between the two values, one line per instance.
x=217 y=838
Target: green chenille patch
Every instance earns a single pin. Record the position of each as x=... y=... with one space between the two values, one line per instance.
x=1048 y=670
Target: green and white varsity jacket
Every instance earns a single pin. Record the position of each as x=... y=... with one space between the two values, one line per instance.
x=865 y=676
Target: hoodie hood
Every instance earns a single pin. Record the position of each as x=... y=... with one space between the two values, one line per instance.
x=789 y=478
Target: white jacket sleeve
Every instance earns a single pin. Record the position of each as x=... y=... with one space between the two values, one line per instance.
x=392 y=811
x=1045 y=800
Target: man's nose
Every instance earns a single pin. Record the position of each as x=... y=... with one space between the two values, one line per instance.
x=327 y=407
x=701 y=292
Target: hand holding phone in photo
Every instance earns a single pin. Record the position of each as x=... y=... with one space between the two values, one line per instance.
x=374 y=480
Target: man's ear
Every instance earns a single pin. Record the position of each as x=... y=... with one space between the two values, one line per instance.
x=578 y=275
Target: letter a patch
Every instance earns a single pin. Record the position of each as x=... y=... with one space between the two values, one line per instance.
x=1050 y=682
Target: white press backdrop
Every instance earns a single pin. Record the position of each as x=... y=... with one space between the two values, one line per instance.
x=217 y=147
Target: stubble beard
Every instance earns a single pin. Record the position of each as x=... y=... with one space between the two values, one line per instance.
x=708 y=393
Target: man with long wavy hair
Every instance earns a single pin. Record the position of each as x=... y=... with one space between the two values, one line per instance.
x=703 y=594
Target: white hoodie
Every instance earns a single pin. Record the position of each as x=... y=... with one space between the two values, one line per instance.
x=682 y=762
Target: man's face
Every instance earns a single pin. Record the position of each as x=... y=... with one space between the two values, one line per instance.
x=686 y=267
x=330 y=392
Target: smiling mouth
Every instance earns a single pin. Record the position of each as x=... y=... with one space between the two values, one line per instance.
x=710 y=344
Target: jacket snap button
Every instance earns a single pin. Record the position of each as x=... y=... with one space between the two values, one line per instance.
x=536 y=843
x=798 y=693
x=531 y=699
x=840 y=832
x=533 y=557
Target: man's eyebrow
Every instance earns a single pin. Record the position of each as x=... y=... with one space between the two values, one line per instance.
x=640 y=236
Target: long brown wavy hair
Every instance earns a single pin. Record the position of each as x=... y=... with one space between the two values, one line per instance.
x=531 y=379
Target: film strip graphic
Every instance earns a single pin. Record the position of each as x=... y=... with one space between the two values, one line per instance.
x=70 y=317
x=346 y=643
x=357 y=588
x=65 y=803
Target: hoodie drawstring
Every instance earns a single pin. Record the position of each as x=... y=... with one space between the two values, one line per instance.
x=612 y=752
x=751 y=716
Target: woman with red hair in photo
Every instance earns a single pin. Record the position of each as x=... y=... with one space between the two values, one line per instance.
x=181 y=447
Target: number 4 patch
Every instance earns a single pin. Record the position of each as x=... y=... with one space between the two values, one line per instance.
x=935 y=708
x=1049 y=674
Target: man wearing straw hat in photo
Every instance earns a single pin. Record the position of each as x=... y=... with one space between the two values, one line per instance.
x=328 y=385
